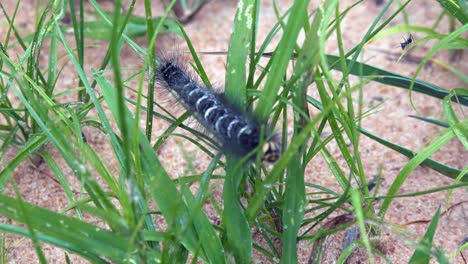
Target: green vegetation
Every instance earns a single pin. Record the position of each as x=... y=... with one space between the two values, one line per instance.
x=279 y=208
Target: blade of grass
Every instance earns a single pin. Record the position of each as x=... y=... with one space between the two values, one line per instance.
x=358 y=211
x=162 y=188
x=294 y=196
x=421 y=254
x=208 y=239
x=458 y=9
x=72 y=234
x=436 y=48
x=237 y=227
x=460 y=128
x=385 y=77
x=280 y=59
x=411 y=166
x=437 y=166
x=239 y=46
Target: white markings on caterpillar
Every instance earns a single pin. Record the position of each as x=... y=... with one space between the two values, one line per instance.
x=237 y=131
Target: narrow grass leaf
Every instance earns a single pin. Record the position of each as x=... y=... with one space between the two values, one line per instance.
x=239 y=46
x=280 y=60
x=423 y=253
x=389 y=78
x=436 y=48
x=208 y=239
x=411 y=166
x=136 y=27
x=25 y=152
x=294 y=196
x=457 y=8
x=237 y=226
x=53 y=241
x=437 y=166
x=430 y=121
x=162 y=188
x=60 y=177
x=293 y=209
x=358 y=211
x=460 y=128
x=80 y=237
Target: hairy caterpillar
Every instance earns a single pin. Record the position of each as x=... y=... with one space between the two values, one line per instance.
x=235 y=130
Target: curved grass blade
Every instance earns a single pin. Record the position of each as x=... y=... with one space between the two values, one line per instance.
x=82 y=238
x=437 y=166
x=294 y=196
x=208 y=239
x=460 y=128
x=411 y=166
x=423 y=252
x=430 y=121
x=239 y=46
x=385 y=77
x=280 y=59
x=445 y=41
x=135 y=28
x=163 y=189
x=237 y=227
x=457 y=8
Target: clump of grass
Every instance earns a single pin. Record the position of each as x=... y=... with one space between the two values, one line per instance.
x=279 y=207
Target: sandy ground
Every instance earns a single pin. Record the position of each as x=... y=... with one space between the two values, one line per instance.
x=209 y=30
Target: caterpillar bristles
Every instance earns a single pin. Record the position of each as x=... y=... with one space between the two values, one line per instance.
x=237 y=132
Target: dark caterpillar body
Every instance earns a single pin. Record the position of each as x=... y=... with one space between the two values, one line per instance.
x=235 y=131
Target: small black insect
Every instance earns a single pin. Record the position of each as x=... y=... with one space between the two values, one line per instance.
x=237 y=131
x=406 y=42
x=83 y=137
x=379 y=2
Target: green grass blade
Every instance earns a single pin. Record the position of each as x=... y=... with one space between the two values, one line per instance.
x=430 y=121
x=294 y=196
x=280 y=59
x=135 y=28
x=437 y=166
x=239 y=47
x=25 y=152
x=445 y=41
x=457 y=8
x=162 y=188
x=423 y=252
x=411 y=166
x=60 y=177
x=237 y=226
x=460 y=128
x=209 y=241
x=293 y=209
x=385 y=77
x=356 y=200
x=80 y=237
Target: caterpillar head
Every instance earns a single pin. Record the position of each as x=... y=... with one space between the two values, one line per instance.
x=271 y=151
